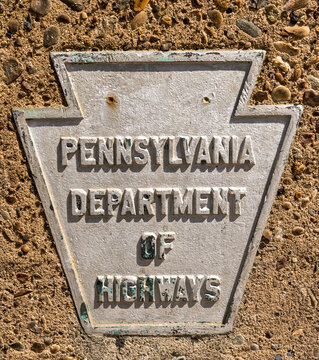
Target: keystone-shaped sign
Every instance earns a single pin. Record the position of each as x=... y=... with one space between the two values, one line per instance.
x=157 y=180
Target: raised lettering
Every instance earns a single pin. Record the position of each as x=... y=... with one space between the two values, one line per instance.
x=87 y=153
x=123 y=150
x=129 y=288
x=165 y=243
x=68 y=146
x=220 y=201
x=106 y=150
x=212 y=286
x=195 y=284
x=203 y=156
x=201 y=201
x=166 y=286
x=238 y=194
x=142 y=152
x=78 y=202
x=128 y=204
x=246 y=153
x=183 y=205
x=114 y=197
x=145 y=201
x=96 y=202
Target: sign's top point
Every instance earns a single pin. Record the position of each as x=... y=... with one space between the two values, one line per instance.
x=254 y=58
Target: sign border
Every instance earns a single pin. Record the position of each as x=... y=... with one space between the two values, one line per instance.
x=291 y=113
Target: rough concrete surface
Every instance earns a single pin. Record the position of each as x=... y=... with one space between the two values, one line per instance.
x=278 y=317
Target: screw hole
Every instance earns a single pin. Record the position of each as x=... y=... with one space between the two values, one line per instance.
x=111 y=100
x=206 y=100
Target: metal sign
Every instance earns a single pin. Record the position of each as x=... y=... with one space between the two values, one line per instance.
x=157 y=180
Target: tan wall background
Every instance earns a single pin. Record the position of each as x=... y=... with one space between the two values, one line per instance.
x=278 y=318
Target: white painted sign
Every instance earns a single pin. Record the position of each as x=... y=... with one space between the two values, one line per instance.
x=157 y=181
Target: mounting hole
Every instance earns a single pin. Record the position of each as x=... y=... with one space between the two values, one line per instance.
x=206 y=100
x=111 y=100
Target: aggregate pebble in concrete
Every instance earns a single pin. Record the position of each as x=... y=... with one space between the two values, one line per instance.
x=248 y=27
x=51 y=36
x=41 y=7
